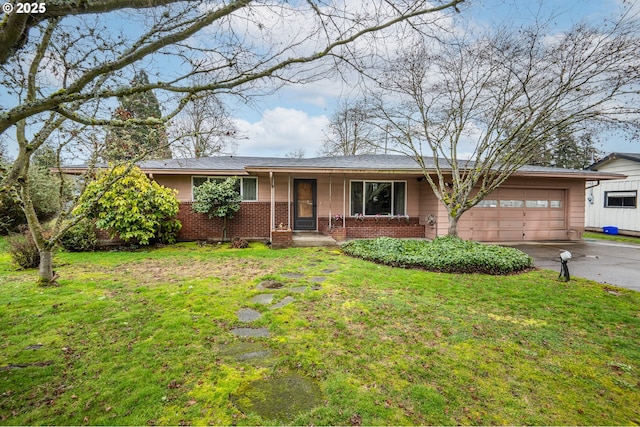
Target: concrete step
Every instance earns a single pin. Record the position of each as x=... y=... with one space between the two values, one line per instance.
x=309 y=239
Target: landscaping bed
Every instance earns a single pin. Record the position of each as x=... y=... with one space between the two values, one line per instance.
x=443 y=254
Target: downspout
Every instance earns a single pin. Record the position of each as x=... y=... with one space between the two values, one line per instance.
x=593 y=185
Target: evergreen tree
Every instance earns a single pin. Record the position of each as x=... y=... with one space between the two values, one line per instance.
x=575 y=153
x=126 y=143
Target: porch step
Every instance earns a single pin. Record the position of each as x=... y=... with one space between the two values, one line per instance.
x=307 y=239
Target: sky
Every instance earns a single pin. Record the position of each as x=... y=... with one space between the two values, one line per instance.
x=296 y=117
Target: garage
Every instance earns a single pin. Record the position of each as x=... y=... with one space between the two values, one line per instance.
x=515 y=214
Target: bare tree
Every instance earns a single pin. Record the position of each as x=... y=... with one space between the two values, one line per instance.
x=482 y=106
x=298 y=153
x=67 y=64
x=351 y=131
x=15 y=27
x=203 y=128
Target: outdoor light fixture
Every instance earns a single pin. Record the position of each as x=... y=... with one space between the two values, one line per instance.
x=564 y=269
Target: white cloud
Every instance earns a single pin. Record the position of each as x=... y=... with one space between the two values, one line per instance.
x=280 y=131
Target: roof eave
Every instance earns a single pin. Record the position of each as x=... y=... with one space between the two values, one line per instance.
x=586 y=175
x=266 y=169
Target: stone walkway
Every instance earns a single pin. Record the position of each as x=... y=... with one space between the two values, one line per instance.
x=249 y=315
x=280 y=398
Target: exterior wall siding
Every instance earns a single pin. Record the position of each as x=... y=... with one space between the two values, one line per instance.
x=623 y=166
x=253 y=219
x=597 y=216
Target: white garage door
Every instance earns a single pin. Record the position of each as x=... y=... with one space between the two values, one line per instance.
x=510 y=214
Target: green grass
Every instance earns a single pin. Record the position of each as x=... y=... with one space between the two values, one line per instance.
x=142 y=338
x=614 y=237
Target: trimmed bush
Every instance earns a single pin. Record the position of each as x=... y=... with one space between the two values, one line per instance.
x=443 y=254
x=23 y=249
x=80 y=238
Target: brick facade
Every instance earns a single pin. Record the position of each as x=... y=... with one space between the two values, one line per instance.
x=371 y=228
x=250 y=222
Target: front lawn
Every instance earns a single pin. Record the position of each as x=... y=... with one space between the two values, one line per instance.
x=155 y=337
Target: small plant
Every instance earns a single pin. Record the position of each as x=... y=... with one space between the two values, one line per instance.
x=359 y=217
x=218 y=200
x=378 y=216
x=80 y=238
x=238 y=243
x=23 y=249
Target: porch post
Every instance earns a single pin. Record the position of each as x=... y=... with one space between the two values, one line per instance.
x=289 y=203
x=344 y=200
x=330 y=204
x=273 y=205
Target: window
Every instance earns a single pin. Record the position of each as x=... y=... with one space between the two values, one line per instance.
x=487 y=203
x=378 y=197
x=247 y=186
x=511 y=203
x=537 y=203
x=556 y=204
x=620 y=199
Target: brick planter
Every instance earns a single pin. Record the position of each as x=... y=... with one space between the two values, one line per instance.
x=281 y=238
x=371 y=228
x=339 y=234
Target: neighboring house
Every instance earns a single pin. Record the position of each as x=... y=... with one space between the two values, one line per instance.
x=614 y=203
x=373 y=195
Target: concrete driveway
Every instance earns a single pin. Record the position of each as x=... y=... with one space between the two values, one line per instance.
x=605 y=262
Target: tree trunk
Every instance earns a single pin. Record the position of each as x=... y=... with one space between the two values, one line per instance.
x=224 y=229
x=453 y=226
x=45 y=270
x=44 y=245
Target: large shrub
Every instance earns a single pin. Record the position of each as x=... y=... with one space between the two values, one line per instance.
x=444 y=254
x=133 y=208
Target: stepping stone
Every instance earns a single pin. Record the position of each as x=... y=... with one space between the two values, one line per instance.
x=316 y=287
x=251 y=332
x=283 y=302
x=318 y=279
x=247 y=352
x=298 y=289
x=264 y=299
x=328 y=270
x=260 y=354
x=33 y=347
x=248 y=315
x=279 y=400
x=269 y=284
x=292 y=275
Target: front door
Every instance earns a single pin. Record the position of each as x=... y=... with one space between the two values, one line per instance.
x=304 y=204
